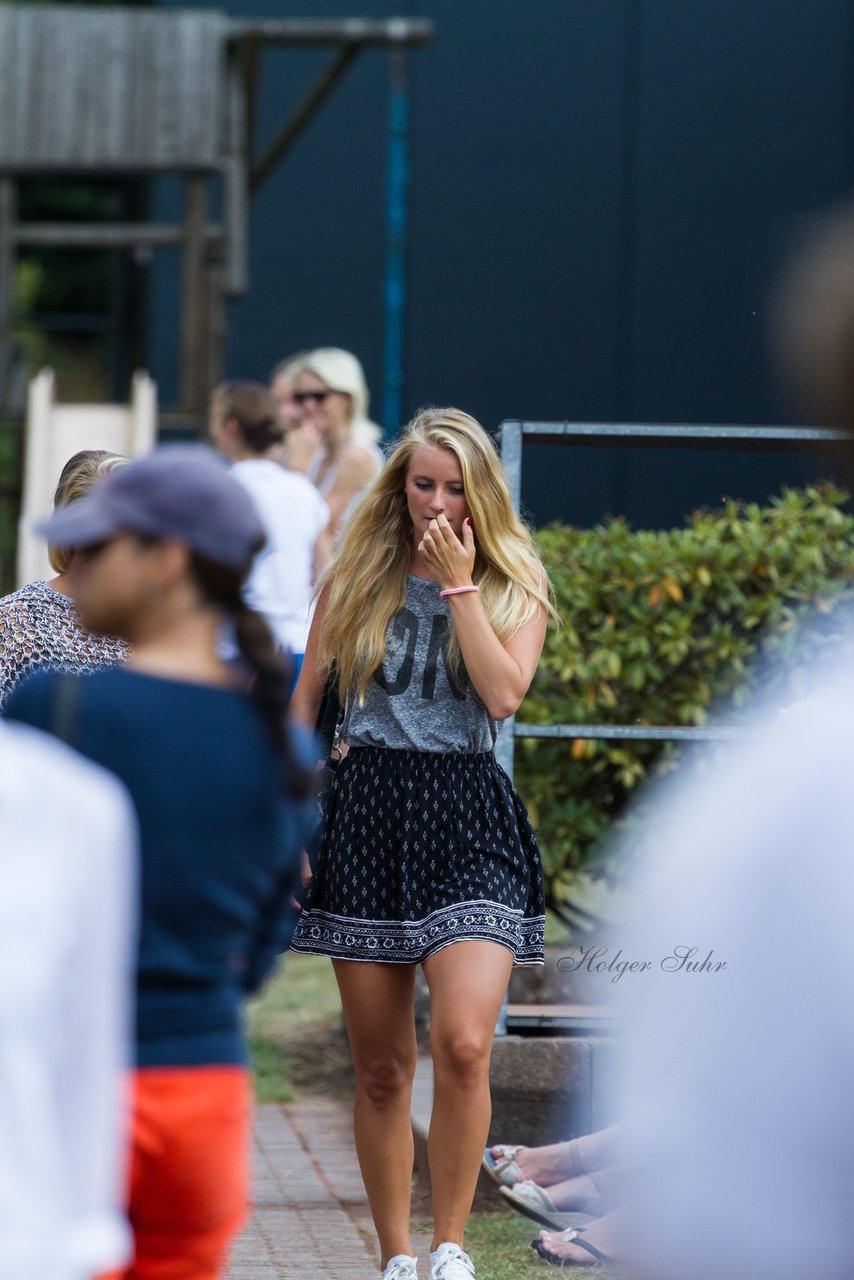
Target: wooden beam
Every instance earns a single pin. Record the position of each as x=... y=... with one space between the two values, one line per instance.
x=248 y=56
x=107 y=235
x=333 y=31
x=217 y=326
x=8 y=203
x=235 y=278
x=352 y=35
x=302 y=113
x=194 y=319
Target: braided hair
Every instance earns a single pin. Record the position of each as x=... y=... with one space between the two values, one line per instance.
x=270 y=674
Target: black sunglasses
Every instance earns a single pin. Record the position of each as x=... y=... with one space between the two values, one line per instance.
x=302 y=397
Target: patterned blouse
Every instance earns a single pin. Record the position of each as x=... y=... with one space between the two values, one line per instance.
x=39 y=629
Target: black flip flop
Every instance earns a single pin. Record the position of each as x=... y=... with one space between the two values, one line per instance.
x=555 y=1261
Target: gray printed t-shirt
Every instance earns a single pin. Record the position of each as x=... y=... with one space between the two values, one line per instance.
x=412 y=702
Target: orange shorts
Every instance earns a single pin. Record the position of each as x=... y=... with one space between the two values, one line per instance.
x=189 y=1172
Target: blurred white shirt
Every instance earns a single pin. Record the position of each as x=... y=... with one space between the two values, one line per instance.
x=67 y=974
x=737 y=1081
x=293 y=515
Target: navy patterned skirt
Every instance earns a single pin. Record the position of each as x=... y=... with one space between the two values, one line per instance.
x=418 y=850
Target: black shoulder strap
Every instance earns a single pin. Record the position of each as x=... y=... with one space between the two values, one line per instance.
x=329 y=717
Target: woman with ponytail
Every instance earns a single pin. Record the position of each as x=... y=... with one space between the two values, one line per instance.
x=432 y=617
x=162 y=549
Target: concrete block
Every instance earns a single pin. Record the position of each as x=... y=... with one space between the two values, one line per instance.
x=607 y=1056
x=541 y=1088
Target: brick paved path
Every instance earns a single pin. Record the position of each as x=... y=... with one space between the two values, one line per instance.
x=311 y=1217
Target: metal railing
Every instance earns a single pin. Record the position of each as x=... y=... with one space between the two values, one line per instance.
x=617 y=434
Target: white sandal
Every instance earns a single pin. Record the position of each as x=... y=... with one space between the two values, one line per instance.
x=532 y=1201
x=502 y=1169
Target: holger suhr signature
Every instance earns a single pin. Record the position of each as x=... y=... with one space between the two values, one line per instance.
x=680 y=960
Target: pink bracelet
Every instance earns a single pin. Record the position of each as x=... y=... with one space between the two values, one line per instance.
x=456 y=591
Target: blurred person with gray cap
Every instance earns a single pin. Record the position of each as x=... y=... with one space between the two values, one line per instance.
x=739 y=1054
x=163 y=547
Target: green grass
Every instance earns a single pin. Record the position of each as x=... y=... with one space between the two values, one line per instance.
x=272 y=1078
x=500 y=1246
x=302 y=991
x=296 y=1037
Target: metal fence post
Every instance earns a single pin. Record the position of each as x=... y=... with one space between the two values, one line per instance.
x=511 y=457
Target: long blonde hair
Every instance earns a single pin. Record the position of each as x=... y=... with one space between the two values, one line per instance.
x=367 y=579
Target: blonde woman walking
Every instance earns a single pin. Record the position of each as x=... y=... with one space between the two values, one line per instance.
x=432 y=616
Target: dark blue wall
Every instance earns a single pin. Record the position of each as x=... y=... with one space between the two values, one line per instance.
x=602 y=192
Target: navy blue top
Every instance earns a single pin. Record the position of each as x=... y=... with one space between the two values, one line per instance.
x=219 y=847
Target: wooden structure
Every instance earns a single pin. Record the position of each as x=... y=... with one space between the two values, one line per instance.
x=56 y=432
x=143 y=92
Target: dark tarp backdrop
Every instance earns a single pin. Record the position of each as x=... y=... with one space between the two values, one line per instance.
x=601 y=195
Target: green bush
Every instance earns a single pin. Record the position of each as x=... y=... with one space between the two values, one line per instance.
x=658 y=627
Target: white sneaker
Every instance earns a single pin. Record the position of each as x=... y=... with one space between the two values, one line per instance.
x=400 y=1267
x=450 y=1262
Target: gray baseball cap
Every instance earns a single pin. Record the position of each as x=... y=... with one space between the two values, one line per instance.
x=178 y=491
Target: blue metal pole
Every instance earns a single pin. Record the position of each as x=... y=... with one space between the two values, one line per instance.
x=394 y=292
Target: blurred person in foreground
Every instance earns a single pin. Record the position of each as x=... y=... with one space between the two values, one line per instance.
x=67 y=914
x=39 y=627
x=164 y=546
x=739 y=1057
x=243 y=425
x=331 y=392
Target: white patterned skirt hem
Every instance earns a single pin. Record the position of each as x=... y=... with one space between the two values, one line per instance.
x=318 y=933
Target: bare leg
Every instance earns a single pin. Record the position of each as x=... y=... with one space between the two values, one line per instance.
x=599 y=1149
x=378 y=1015
x=591 y=1193
x=560 y=1161
x=467 y=982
